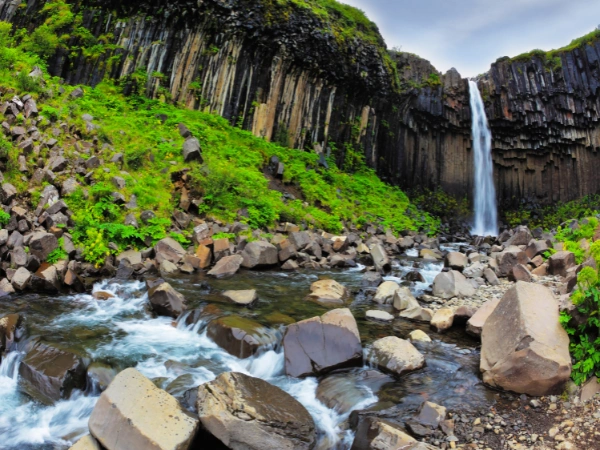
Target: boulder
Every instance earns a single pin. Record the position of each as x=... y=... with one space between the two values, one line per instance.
x=247 y=413
x=520 y=273
x=521 y=236
x=378 y=315
x=452 y=284
x=418 y=336
x=100 y=375
x=299 y=239
x=8 y=331
x=321 y=344
x=443 y=319
x=509 y=258
x=328 y=293
x=259 y=254
x=166 y=267
x=456 y=261
x=166 y=301
x=20 y=279
x=42 y=244
x=385 y=292
x=168 y=249
x=49 y=374
x=86 y=443
x=380 y=258
x=133 y=256
x=239 y=336
x=244 y=298
x=226 y=266
x=491 y=277
x=524 y=347
x=204 y=254
x=536 y=248
x=560 y=263
x=396 y=356
x=475 y=270
x=430 y=415
x=133 y=414
x=380 y=434
x=475 y=323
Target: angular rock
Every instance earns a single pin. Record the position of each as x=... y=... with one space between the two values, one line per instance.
x=86 y=443
x=321 y=344
x=536 y=248
x=524 y=347
x=520 y=273
x=8 y=331
x=49 y=374
x=418 y=336
x=299 y=239
x=385 y=292
x=134 y=414
x=380 y=258
x=226 y=266
x=204 y=255
x=379 y=315
x=560 y=263
x=452 y=284
x=239 y=336
x=42 y=244
x=456 y=261
x=328 y=293
x=510 y=258
x=379 y=434
x=491 y=277
x=259 y=254
x=396 y=356
x=475 y=270
x=20 y=280
x=133 y=256
x=522 y=236
x=192 y=150
x=443 y=319
x=170 y=250
x=244 y=298
x=247 y=413
x=475 y=323
x=430 y=414
x=166 y=301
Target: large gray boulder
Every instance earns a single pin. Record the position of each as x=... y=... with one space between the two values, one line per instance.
x=509 y=258
x=21 y=278
x=396 y=356
x=321 y=344
x=385 y=292
x=522 y=236
x=49 y=374
x=524 y=347
x=328 y=293
x=380 y=258
x=42 y=244
x=456 y=261
x=560 y=263
x=133 y=414
x=247 y=413
x=166 y=301
x=239 y=336
x=259 y=254
x=226 y=266
x=452 y=284
x=168 y=249
x=477 y=321
x=192 y=150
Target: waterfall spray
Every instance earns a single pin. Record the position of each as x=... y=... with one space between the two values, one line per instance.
x=486 y=214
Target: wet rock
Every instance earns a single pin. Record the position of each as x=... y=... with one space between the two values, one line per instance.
x=431 y=414
x=166 y=301
x=380 y=258
x=321 y=344
x=20 y=279
x=524 y=347
x=134 y=414
x=49 y=374
x=8 y=331
x=418 y=336
x=452 y=284
x=290 y=265
x=328 y=293
x=239 y=336
x=259 y=254
x=100 y=375
x=42 y=244
x=247 y=413
x=244 y=298
x=560 y=263
x=379 y=315
x=86 y=443
x=168 y=249
x=372 y=279
x=443 y=319
x=394 y=355
x=226 y=266
x=385 y=292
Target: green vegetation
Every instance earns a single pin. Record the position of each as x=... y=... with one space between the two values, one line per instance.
x=58 y=254
x=439 y=204
x=548 y=217
x=4 y=217
x=585 y=337
x=230 y=183
x=574 y=238
x=552 y=59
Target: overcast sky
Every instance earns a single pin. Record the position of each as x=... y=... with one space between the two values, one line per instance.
x=471 y=34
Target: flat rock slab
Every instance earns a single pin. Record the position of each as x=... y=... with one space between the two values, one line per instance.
x=320 y=344
x=379 y=315
x=133 y=414
x=247 y=413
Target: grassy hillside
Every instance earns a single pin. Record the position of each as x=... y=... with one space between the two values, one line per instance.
x=230 y=184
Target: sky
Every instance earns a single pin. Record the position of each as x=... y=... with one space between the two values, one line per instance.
x=471 y=34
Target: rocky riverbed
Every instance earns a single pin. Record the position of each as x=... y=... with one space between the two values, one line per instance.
x=375 y=354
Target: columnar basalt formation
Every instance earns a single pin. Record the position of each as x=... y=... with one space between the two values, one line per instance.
x=289 y=75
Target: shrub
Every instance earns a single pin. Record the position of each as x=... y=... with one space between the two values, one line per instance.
x=4 y=217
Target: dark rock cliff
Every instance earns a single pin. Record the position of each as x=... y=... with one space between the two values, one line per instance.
x=287 y=74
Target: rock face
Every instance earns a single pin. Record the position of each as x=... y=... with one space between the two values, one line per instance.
x=394 y=355
x=166 y=301
x=50 y=374
x=134 y=414
x=524 y=347
x=247 y=413
x=315 y=346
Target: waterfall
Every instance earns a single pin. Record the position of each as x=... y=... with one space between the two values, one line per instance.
x=486 y=214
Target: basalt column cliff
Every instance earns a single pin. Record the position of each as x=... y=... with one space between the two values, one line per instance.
x=302 y=75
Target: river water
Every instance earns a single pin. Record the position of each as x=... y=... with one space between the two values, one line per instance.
x=177 y=355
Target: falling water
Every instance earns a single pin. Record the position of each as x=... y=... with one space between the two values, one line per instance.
x=486 y=223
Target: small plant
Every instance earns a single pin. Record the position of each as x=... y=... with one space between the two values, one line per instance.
x=58 y=253
x=229 y=236
x=4 y=217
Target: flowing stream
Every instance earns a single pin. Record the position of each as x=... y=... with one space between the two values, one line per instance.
x=177 y=355
x=486 y=211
